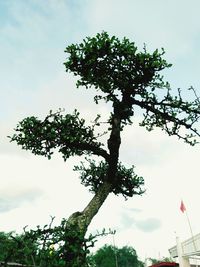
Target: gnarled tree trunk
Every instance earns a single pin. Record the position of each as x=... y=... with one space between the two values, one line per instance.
x=83 y=219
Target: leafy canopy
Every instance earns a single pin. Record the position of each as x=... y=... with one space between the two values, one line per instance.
x=126 y=183
x=114 y=66
x=67 y=132
x=111 y=256
x=129 y=78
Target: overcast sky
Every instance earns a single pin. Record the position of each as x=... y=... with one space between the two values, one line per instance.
x=33 y=37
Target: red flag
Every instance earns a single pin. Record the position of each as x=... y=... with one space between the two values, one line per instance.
x=182 y=207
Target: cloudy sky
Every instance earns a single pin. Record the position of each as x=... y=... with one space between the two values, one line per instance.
x=33 y=36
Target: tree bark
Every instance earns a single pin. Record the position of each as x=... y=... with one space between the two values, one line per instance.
x=84 y=218
x=81 y=221
x=97 y=201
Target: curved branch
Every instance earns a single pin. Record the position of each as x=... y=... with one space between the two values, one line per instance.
x=98 y=151
x=165 y=117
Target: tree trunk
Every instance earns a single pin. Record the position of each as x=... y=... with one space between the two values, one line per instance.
x=80 y=222
x=84 y=218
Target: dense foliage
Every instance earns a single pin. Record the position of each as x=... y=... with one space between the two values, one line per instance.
x=48 y=246
x=111 y=256
x=17 y=248
x=127 y=182
x=129 y=80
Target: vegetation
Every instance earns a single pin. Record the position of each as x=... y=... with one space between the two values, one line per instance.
x=110 y=256
x=30 y=249
x=48 y=246
x=128 y=80
x=17 y=248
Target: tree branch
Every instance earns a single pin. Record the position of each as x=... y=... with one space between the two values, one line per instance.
x=166 y=117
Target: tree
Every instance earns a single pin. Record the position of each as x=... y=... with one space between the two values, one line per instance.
x=127 y=79
x=110 y=256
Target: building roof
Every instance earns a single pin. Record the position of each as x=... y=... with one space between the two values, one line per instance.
x=165 y=264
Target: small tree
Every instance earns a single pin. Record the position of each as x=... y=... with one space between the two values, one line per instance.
x=110 y=256
x=127 y=79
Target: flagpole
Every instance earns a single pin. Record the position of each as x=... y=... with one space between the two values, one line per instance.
x=195 y=248
x=183 y=209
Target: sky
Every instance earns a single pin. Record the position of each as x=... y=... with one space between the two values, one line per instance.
x=33 y=37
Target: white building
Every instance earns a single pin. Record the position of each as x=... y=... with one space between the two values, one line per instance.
x=187 y=252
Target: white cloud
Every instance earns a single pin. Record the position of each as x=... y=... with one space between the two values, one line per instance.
x=13 y=197
x=133 y=220
x=149 y=224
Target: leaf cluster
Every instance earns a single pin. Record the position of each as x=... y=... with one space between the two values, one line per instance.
x=126 y=181
x=59 y=245
x=111 y=65
x=16 y=248
x=67 y=132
